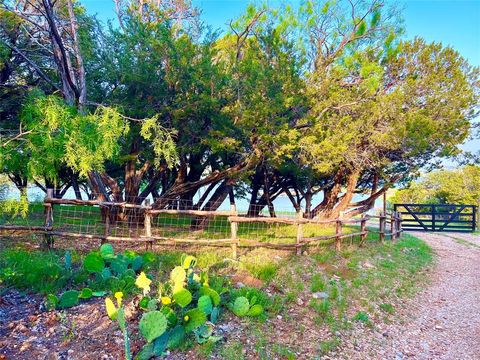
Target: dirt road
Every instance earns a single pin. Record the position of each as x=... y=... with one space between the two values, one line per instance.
x=443 y=320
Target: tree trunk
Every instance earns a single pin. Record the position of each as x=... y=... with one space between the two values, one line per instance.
x=76 y=188
x=256 y=183
x=330 y=195
x=218 y=197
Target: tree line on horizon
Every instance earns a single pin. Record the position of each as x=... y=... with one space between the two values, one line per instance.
x=328 y=98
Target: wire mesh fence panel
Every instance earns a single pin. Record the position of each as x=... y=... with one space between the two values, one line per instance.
x=190 y=226
x=125 y=222
x=182 y=220
x=78 y=219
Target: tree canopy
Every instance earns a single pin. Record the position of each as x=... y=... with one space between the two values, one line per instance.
x=458 y=186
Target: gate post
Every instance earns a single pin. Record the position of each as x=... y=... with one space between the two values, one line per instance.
x=433 y=218
x=476 y=217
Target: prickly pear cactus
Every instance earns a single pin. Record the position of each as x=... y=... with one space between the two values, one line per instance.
x=68 y=299
x=241 y=306
x=94 y=263
x=152 y=325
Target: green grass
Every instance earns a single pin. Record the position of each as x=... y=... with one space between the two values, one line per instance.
x=362 y=285
x=232 y=351
x=40 y=272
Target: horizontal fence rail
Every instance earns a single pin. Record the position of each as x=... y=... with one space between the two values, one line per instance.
x=183 y=224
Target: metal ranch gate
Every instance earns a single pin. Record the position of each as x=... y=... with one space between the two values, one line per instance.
x=437 y=217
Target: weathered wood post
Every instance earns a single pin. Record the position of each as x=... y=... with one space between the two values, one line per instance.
x=399 y=214
x=392 y=225
x=363 y=230
x=48 y=238
x=338 y=234
x=148 y=226
x=299 y=231
x=432 y=208
x=233 y=231
x=383 y=220
x=106 y=233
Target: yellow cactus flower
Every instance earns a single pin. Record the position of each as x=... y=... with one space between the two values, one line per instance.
x=143 y=282
x=186 y=318
x=189 y=261
x=111 y=309
x=119 y=297
x=166 y=300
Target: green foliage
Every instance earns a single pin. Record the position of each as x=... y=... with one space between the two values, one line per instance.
x=457 y=186
x=205 y=304
x=33 y=270
x=86 y=293
x=186 y=306
x=246 y=306
x=177 y=337
x=107 y=252
x=361 y=316
x=68 y=299
x=162 y=141
x=361 y=100
x=388 y=308
x=241 y=306
x=61 y=136
x=193 y=319
x=152 y=325
x=94 y=263
x=13 y=208
x=182 y=297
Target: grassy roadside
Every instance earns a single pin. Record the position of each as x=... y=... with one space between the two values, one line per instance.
x=311 y=300
x=321 y=296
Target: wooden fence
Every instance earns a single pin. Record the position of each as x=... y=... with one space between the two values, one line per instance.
x=145 y=214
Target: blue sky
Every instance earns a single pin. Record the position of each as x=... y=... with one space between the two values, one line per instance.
x=451 y=22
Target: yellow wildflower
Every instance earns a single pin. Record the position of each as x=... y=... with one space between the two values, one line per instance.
x=119 y=296
x=166 y=300
x=143 y=282
x=111 y=309
x=186 y=318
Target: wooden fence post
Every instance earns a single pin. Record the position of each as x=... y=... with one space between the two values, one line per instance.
x=338 y=234
x=233 y=231
x=392 y=225
x=383 y=219
x=363 y=230
x=148 y=226
x=48 y=238
x=107 y=225
x=299 y=232
x=399 y=214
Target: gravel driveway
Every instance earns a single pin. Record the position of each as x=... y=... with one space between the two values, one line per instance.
x=442 y=321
